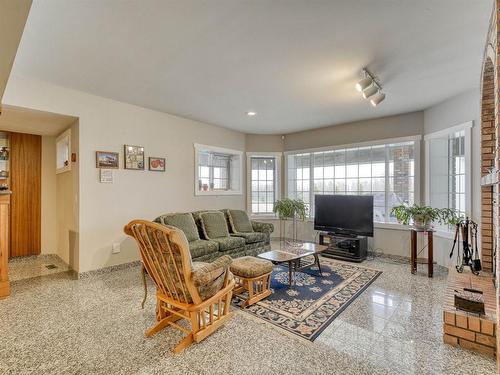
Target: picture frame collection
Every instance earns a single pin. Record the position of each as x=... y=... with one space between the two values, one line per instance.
x=134 y=159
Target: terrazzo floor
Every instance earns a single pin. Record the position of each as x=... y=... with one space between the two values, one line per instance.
x=56 y=325
x=21 y=268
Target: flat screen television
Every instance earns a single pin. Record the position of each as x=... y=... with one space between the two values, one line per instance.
x=344 y=214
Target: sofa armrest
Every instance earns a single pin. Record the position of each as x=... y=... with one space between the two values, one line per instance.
x=206 y=273
x=259 y=226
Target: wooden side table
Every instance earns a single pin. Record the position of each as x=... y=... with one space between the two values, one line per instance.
x=413 y=251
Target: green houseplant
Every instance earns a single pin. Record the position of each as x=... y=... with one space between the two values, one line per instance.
x=423 y=216
x=290 y=209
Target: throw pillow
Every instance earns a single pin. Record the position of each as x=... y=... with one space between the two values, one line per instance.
x=240 y=222
x=184 y=222
x=214 y=224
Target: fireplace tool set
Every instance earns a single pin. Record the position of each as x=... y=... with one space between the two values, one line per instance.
x=470 y=300
x=469 y=256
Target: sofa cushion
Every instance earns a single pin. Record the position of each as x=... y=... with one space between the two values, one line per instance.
x=240 y=222
x=252 y=237
x=214 y=224
x=200 y=248
x=230 y=243
x=183 y=221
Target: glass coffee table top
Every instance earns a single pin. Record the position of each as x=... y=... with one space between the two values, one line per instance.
x=288 y=253
x=292 y=256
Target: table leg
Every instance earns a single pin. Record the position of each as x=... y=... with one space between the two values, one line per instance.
x=290 y=273
x=316 y=258
x=430 y=256
x=413 y=251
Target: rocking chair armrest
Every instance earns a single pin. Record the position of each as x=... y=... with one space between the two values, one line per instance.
x=215 y=298
x=206 y=274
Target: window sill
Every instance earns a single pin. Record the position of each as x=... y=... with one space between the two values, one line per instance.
x=214 y=193
x=264 y=217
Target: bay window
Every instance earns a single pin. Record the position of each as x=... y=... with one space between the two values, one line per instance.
x=384 y=170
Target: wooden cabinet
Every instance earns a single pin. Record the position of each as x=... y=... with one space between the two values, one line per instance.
x=4 y=245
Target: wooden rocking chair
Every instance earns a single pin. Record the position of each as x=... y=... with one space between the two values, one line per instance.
x=198 y=292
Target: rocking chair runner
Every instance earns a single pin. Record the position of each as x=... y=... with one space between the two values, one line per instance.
x=198 y=292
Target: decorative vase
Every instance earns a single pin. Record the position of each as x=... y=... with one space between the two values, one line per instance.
x=420 y=222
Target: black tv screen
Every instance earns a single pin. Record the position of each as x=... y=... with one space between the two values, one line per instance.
x=344 y=214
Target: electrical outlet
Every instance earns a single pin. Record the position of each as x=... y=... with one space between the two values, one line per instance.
x=116 y=248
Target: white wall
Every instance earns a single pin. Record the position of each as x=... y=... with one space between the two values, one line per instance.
x=48 y=196
x=107 y=125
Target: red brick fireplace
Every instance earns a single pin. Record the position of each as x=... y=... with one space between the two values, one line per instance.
x=490 y=154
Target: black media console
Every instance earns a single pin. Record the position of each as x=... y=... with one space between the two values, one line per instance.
x=343 y=247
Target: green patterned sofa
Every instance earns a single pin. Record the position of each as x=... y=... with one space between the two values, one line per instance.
x=212 y=233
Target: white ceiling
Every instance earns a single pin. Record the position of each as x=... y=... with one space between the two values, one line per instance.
x=294 y=62
x=23 y=120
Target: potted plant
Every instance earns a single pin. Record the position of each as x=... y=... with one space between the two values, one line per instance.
x=423 y=216
x=290 y=209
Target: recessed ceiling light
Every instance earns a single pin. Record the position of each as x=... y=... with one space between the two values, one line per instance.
x=251 y=113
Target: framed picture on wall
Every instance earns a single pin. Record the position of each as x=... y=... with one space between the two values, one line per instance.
x=134 y=157
x=157 y=164
x=107 y=160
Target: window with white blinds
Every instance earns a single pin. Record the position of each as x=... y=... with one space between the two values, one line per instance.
x=448 y=169
x=386 y=171
x=218 y=171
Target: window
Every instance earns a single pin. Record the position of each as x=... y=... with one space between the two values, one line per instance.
x=448 y=169
x=263 y=175
x=386 y=171
x=63 y=150
x=218 y=171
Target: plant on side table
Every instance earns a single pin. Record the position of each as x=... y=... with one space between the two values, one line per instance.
x=423 y=216
x=290 y=209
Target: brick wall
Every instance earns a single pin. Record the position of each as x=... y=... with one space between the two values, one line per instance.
x=470 y=331
x=488 y=144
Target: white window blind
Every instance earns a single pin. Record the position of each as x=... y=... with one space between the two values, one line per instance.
x=386 y=171
x=448 y=169
x=218 y=170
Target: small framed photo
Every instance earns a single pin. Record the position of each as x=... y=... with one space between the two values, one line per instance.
x=157 y=164
x=134 y=157
x=107 y=160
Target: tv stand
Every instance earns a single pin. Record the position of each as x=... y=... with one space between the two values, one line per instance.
x=344 y=246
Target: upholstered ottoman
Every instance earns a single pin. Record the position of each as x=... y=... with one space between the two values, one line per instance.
x=254 y=276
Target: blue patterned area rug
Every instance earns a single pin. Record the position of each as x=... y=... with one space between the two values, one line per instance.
x=313 y=301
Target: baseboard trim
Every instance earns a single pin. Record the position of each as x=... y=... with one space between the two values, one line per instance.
x=109 y=269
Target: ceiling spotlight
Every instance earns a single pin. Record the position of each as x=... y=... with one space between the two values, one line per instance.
x=377 y=99
x=364 y=83
x=251 y=113
x=372 y=90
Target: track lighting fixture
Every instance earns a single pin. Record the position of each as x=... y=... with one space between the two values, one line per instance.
x=370 y=88
x=364 y=83
x=377 y=99
x=369 y=91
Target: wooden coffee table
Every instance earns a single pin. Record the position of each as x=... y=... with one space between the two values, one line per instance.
x=292 y=257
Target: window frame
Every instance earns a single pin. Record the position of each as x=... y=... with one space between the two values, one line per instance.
x=63 y=140
x=466 y=127
x=200 y=147
x=277 y=180
x=417 y=139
